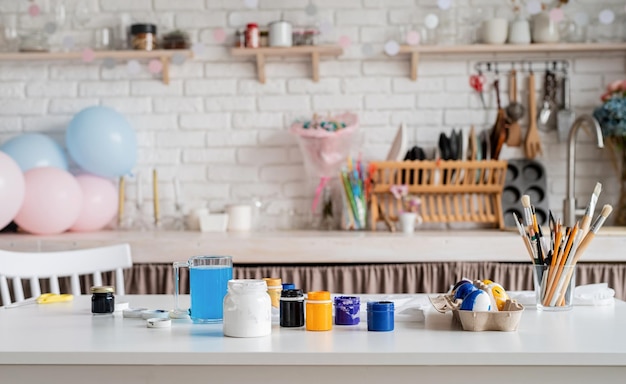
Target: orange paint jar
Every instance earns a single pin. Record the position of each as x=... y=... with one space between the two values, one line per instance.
x=319 y=311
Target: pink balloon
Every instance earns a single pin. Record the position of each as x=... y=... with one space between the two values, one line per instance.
x=52 y=201
x=11 y=189
x=99 y=203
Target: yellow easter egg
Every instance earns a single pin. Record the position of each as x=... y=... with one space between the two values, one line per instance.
x=498 y=294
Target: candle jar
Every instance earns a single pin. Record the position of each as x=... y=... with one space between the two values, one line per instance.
x=274 y=287
x=247 y=309
x=380 y=317
x=319 y=311
x=347 y=310
x=102 y=300
x=143 y=37
x=292 y=308
x=252 y=36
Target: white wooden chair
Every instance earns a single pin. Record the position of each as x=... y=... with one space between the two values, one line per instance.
x=32 y=266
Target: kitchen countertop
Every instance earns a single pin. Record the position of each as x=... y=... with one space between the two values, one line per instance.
x=301 y=247
x=578 y=346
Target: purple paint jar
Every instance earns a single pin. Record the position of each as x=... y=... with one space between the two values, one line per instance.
x=347 y=310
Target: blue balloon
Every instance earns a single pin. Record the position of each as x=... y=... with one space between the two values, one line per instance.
x=34 y=150
x=102 y=142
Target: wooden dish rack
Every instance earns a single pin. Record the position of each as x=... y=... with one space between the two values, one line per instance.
x=450 y=191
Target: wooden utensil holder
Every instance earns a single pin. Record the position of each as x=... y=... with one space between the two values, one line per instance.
x=450 y=191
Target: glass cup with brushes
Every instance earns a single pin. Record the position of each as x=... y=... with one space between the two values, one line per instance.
x=555 y=257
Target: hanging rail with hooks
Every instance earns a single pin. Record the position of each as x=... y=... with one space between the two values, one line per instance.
x=535 y=65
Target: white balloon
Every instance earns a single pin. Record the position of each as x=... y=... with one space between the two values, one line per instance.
x=251 y=3
x=392 y=47
x=533 y=7
x=606 y=17
x=431 y=21
x=444 y=4
x=133 y=67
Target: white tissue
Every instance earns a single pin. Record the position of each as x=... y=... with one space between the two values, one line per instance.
x=594 y=294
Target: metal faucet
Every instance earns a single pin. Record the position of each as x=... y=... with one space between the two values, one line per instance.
x=569 y=203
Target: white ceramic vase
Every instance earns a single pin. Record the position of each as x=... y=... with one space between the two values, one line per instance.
x=519 y=31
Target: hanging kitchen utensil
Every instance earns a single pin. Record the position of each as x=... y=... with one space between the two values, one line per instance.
x=459 y=144
x=532 y=144
x=498 y=132
x=546 y=116
x=477 y=82
x=472 y=145
x=515 y=111
x=565 y=117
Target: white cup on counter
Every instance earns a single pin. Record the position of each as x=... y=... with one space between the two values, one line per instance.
x=239 y=217
x=495 y=31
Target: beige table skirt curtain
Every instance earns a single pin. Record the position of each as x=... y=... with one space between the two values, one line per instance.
x=380 y=278
x=367 y=278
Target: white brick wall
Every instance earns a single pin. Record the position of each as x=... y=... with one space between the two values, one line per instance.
x=225 y=135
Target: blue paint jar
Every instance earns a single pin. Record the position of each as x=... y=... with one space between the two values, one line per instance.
x=380 y=316
x=287 y=286
x=347 y=310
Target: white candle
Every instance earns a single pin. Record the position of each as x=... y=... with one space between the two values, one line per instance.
x=177 y=192
x=139 y=191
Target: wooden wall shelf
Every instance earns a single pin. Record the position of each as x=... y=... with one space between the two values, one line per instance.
x=416 y=51
x=314 y=50
x=165 y=55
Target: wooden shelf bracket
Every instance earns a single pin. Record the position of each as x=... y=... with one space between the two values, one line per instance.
x=315 y=51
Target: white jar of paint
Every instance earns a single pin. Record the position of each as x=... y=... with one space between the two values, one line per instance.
x=247 y=309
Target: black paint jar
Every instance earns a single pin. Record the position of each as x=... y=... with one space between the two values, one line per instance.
x=291 y=308
x=102 y=300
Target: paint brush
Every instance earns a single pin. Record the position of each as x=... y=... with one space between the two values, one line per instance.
x=578 y=252
x=595 y=227
x=528 y=217
x=522 y=233
x=591 y=207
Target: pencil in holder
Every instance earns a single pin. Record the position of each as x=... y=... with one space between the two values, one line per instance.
x=554 y=287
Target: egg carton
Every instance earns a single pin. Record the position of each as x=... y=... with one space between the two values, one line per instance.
x=506 y=320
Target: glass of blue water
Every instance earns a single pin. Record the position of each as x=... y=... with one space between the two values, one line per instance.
x=208 y=283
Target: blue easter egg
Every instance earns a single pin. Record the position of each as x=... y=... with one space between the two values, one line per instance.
x=458 y=284
x=478 y=301
x=464 y=289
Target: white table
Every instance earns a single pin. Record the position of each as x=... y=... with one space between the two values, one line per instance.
x=65 y=343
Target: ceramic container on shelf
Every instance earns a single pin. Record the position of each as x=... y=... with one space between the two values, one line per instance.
x=519 y=31
x=544 y=29
x=494 y=31
x=280 y=34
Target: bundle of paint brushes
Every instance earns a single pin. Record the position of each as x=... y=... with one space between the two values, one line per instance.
x=555 y=257
x=354 y=181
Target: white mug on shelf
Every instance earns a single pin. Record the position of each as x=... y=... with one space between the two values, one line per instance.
x=545 y=30
x=239 y=217
x=495 y=31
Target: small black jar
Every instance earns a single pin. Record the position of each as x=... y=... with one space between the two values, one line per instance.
x=102 y=300
x=291 y=308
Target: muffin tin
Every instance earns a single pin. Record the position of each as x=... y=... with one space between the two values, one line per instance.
x=525 y=177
